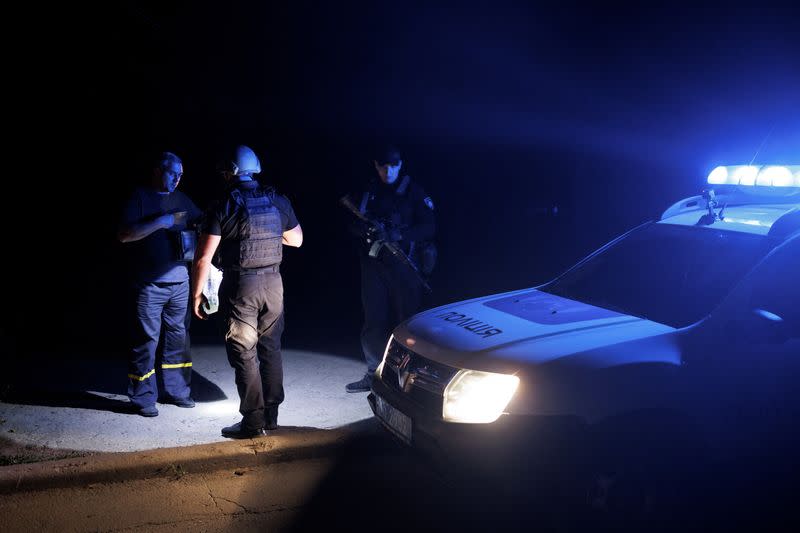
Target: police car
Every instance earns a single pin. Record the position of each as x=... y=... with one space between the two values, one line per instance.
x=689 y=324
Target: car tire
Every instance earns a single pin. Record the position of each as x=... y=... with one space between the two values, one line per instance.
x=642 y=470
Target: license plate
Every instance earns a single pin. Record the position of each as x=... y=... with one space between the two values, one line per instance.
x=397 y=422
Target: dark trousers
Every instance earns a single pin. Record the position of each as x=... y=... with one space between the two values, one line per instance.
x=160 y=306
x=390 y=293
x=251 y=309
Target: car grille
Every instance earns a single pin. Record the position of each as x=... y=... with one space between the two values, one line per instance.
x=421 y=379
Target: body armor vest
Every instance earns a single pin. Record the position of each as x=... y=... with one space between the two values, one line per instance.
x=260 y=230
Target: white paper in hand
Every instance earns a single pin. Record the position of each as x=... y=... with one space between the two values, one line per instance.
x=211 y=290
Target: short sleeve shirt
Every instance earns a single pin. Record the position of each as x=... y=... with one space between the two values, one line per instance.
x=152 y=259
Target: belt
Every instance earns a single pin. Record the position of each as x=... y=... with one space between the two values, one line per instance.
x=261 y=270
x=163 y=284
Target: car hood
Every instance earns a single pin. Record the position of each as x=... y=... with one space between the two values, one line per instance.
x=510 y=331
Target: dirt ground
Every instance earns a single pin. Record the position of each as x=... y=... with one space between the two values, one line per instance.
x=12 y=453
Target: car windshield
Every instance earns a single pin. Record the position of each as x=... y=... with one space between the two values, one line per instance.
x=667 y=273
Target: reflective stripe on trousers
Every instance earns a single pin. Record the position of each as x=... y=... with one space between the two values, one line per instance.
x=157 y=306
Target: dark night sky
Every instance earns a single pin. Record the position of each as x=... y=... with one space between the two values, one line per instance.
x=610 y=112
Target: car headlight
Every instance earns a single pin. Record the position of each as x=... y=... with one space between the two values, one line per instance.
x=478 y=397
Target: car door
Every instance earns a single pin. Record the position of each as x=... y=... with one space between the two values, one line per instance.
x=742 y=367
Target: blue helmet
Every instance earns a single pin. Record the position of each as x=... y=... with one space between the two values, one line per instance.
x=244 y=161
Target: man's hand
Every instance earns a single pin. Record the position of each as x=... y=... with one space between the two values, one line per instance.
x=201 y=267
x=166 y=221
x=393 y=235
x=197 y=306
x=140 y=230
x=179 y=218
x=380 y=233
x=376 y=233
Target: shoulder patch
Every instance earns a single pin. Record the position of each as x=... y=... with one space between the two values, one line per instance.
x=428 y=202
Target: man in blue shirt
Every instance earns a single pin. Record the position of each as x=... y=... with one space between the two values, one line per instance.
x=152 y=224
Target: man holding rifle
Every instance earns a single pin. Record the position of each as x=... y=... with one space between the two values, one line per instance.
x=395 y=232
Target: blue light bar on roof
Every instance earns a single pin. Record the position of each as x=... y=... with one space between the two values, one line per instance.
x=775 y=176
x=752 y=175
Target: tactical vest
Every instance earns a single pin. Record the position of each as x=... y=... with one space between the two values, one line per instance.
x=260 y=230
x=422 y=254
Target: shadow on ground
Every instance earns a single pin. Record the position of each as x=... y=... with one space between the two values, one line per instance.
x=378 y=484
x=14 y=453
x=85 y=384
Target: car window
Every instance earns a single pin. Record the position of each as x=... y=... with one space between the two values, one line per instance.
x=667 y=273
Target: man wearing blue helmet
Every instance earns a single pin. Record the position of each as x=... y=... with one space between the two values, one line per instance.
x=243 y=235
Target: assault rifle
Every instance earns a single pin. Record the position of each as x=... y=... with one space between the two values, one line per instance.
x=395 y=250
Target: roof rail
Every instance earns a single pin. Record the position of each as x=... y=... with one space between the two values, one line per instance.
x=731 y=195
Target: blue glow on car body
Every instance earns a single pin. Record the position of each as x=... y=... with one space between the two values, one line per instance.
x=769 y=315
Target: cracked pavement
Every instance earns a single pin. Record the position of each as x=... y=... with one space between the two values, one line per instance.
x=249 y=499
x=302 y=493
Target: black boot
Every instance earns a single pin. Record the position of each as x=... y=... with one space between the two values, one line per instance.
x=362 y=385
x=271 y=416
x=238 y=431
